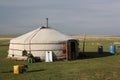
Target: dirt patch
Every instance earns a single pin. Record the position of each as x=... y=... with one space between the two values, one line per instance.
x=5 y=38
x=97 y=37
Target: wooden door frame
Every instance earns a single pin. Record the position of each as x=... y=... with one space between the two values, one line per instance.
x=68 y=49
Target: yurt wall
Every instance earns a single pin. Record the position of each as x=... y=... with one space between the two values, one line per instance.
x=39 y=41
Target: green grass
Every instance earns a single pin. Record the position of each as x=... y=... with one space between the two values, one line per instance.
x=9 y=36
x=94 y=67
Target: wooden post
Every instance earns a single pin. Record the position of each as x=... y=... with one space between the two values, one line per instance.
x=84 y=42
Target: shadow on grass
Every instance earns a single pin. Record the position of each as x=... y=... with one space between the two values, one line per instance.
x=11 y=71
x=4 y=45
x=88 y=55
x=35 y=70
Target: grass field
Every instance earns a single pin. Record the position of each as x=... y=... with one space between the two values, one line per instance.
x=95 y=66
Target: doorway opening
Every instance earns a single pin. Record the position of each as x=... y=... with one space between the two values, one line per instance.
x=72 y=49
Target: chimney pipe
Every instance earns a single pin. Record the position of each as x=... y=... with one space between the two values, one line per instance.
x=46 y=22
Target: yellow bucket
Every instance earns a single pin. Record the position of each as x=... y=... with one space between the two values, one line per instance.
x=17 y=69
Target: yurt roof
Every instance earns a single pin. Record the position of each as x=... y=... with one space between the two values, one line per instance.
x=42 y=35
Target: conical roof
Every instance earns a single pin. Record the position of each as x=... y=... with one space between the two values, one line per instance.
x=42 y=35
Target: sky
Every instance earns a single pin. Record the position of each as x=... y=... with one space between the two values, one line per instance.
x=93 y=17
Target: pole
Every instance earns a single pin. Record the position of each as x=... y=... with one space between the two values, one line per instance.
x=84 y=42
x=47 y=22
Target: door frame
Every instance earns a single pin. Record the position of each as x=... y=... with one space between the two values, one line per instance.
x=70 y=55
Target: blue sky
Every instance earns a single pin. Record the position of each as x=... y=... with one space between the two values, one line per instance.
x=94 y=17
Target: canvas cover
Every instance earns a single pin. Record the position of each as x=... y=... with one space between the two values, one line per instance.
x=37 y=42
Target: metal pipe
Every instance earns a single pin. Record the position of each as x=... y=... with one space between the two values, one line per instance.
x=46 y=22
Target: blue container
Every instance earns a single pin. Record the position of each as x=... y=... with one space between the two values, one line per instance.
x=100 y=49
x=112 y=49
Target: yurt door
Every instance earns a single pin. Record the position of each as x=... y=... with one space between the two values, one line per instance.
x=72 y=49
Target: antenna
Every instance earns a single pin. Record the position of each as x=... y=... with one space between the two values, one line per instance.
x=46 y=22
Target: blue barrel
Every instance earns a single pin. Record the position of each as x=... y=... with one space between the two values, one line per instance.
x=100 y=49
x=112 y=49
